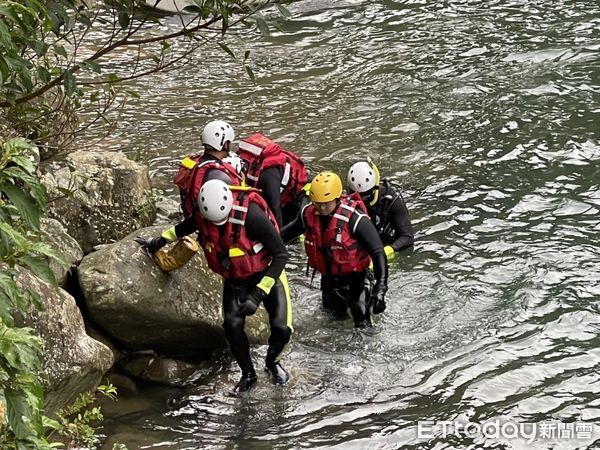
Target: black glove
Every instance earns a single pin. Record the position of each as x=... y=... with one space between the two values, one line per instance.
x=378 y=298
x=152 y=245
x=250 y=304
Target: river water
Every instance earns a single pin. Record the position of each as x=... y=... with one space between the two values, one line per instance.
x=488 y=114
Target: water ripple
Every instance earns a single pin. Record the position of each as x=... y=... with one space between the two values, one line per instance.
x=487 y=115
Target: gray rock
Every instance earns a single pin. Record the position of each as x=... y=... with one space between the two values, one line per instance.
x=168 y=211
x=55 y=235
x=168 y=371
x=141 y=307
x=111 y=196
x=74 y=362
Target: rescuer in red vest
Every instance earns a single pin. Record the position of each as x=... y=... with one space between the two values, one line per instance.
x=241 y=242
x=194 y=170
x=340 y=242
x=279 y=173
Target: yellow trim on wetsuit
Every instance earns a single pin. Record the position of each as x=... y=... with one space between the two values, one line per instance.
x=266 y=284
x=170 y=234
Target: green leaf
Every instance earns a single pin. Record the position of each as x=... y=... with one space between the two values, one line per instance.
x=284 y=11
x=262 y=25
x=26 y=81
x=51 y=424
x=92 y=65
x=6 y=311
x=132 y=94
x=5 y=37
x=34 y=298
x=69 y=82
x=25 y=165
x=40 y=48
x=4 y=70
x=60 y=50
x=227 y=50
x=17 y=408
x=193 y=9
x=27 y=207
x=250 y=73
x=85 y=20
x=13 y=235
x=123 y=19
x=44 y=249
x=9 y=351
x=39 y=266
x=43 y=74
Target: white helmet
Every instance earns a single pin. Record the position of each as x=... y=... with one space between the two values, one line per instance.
x=215 y=201
x=233 y=159
x=216 y=133
x=362 y=177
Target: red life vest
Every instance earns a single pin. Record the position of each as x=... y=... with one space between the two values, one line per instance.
x=334 y=251
x=260 y=153
x=190 y=177
x=228 y=251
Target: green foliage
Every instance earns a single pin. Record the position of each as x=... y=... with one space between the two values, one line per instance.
x=76 y=424
x=21 y=201
x=48 y=74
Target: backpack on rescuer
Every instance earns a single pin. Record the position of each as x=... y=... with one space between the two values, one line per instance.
x=190 y=176
x=259 y=152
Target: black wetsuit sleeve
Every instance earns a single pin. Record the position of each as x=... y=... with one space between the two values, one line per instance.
x=400 y=220
x=269 y=183
x=367 y=236
x=293 y=229
x=259 y=228
x=185 y=227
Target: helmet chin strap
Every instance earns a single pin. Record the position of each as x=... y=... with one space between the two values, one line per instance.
x=377 y=179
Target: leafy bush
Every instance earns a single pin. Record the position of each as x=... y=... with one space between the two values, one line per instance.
x=22 y=199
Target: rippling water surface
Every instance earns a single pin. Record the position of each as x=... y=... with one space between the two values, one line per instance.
x=488 y=114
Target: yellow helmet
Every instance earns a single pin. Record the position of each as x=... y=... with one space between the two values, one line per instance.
x=324 y=187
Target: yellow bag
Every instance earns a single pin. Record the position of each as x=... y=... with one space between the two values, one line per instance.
x=177 y=256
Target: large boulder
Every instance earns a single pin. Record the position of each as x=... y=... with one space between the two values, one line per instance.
x=55 y=234
x=111 y=196
x=73 y=361
x=143 y=308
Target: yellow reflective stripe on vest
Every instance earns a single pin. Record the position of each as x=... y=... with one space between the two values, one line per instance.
x=233 y=252
x=188 y=163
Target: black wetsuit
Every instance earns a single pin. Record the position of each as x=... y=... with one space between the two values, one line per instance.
x=340 y=292
x=269 y=182
x=259 y=228
x=390 y=217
